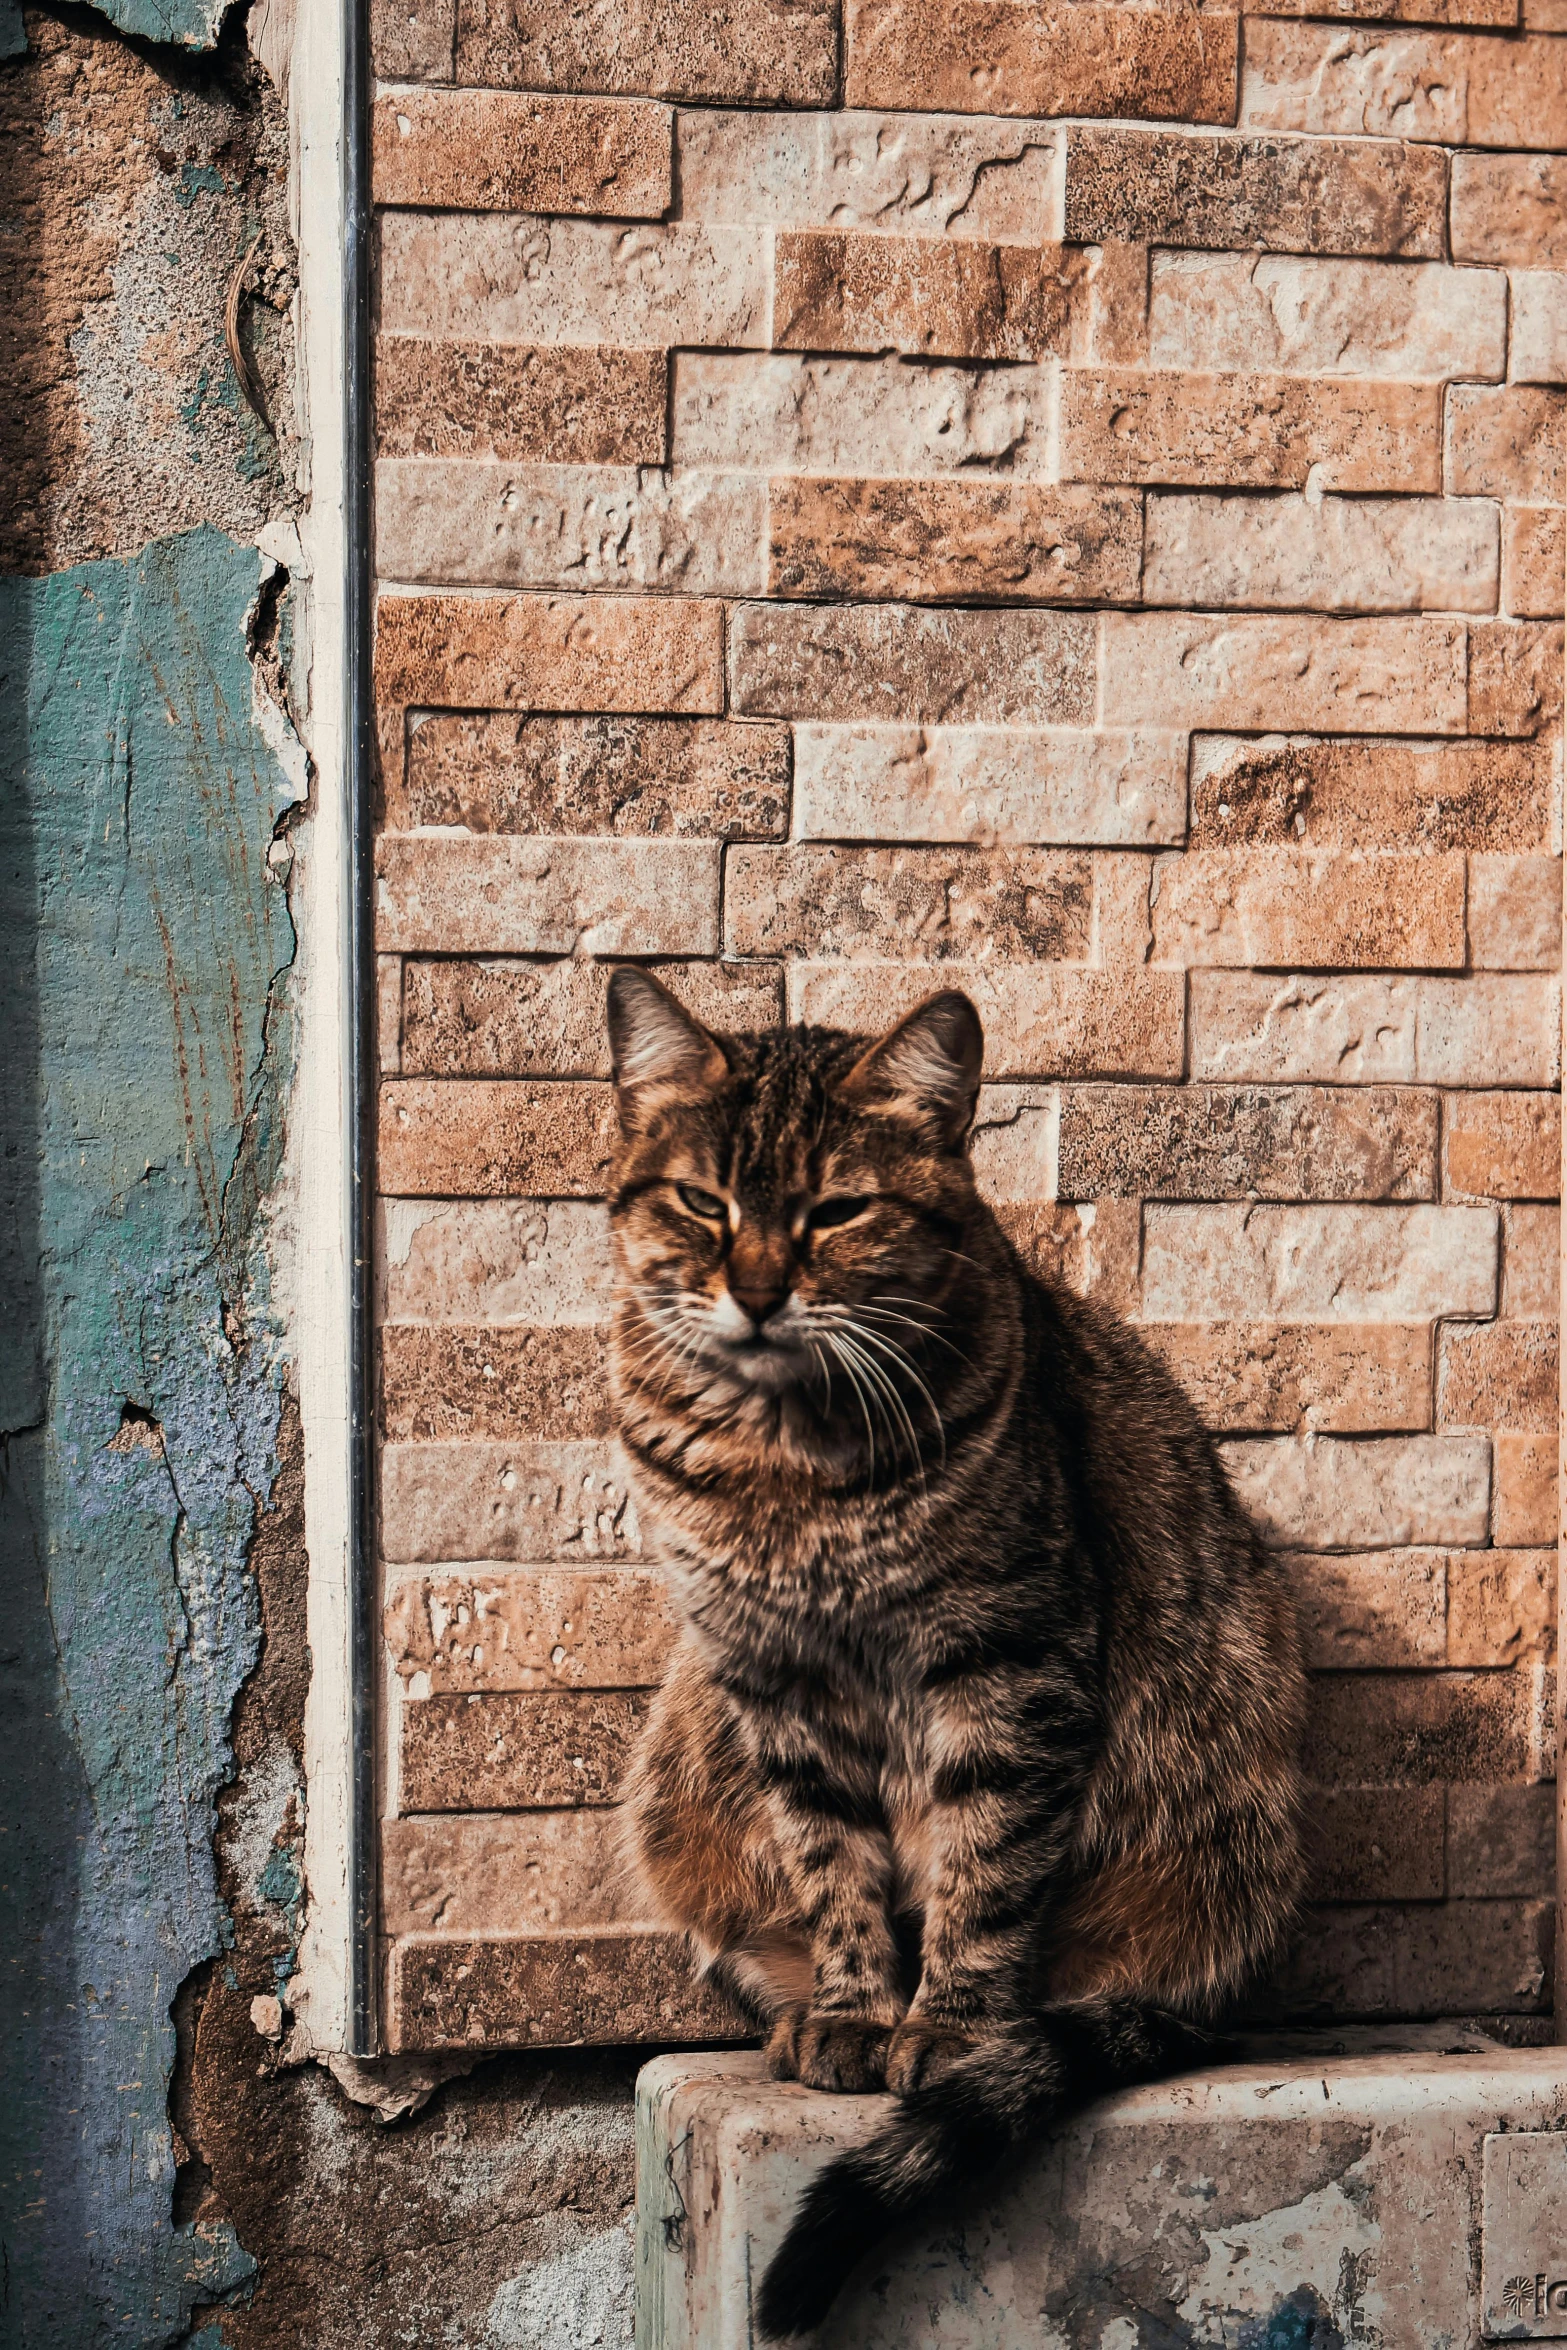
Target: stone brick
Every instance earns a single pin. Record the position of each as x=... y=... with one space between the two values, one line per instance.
x=388 y=1014
x=495 y=1261
x=1510 y=208
x=629 y=776
x=1515 y=676
x=1526 y=1504
x=1507 y=441
x=1459 y=89
x=783 y=414
x=1039 y=1022
x=518 y=1752
x=1500 y=1840
x=939 y=541
x=1501 y=1145
x=540 y=1990
x=1278 y=314
x=1515 y=913
x=1323 y=554
x=1501 y=1606
x=1430 y=1959
x=1412 y=1729
x=913 y=174
x=1009 y=57
x=536 y=1628
x=895 y=661
x=1537 y=352
x=1531 y=1263
x=1015 y=1141
x=1265 y=431
x=1091 y=1248
x=521 y=1501
x=1319 y=1264
x=564 y=652
x=492 y=151
x=511 y=278
x=1534 y=561
x=1493 y=1029
x=512 y=1019
x=1499 y=1374
x=1117 y=311
x=1278 y=1376
x=1462 y=12
x=478 y=1138
x=519 y=1873
x=576 y=404
x=1023 y=785
x=923 y=905
x=1376 y=1843
x=521 y=894
x=1339 y=1493
x=1383 y=1608
x=411 y=40
x=1309 y=673
x=448 y=1381
x=758 y=52
x=1309 y=906
x=1237 y=1142
x=1222 y=192
x=1289 y=791
x=835 y=290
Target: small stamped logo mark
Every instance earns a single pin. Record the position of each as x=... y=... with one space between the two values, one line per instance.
x=1533 y=2297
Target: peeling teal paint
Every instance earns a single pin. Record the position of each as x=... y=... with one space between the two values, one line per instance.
x=13 y=33
x=197 y=179
x=143 y=935
x=190 y=24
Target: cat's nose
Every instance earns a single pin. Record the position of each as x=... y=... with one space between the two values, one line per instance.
x=758 y=1298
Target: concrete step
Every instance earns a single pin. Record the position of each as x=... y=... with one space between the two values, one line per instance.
x=1400 y=2201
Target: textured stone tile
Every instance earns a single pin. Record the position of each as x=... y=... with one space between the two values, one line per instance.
x=1319 y=1264
x=1331 y=676
x=1515 y=913
x=1302 y=907
x=1497 y=1375
x=895 y=661
x=1531 y=1263
x=1526 y=1504
x=1461 y=12
x=1039 y=1022
x=497 y=1261
x=493 y=151
x=1009 y=57
x=1283 y=791
x=1534 y=561
x=497 y=1018
x=1277 y=314
x=759 y=52
x=1501 y=1606
x=1410 y=1729
x=518 y=1752
x=916 y=174
x=1515 y=676
x=1272 y=431
x=1374 y=1493
x=1383 y=1608
x=1500 y=1840
x=514 y=278
x=467 y=522
x=1222 y=192
x=940 y=541
x=1091 y=1248
x=1510 y=208
x=1020 y=785
x=782 y=414
x=543 y=1990
x=477 y=1138
x=511 y=893
x=526 y=1500
x=1459 y=89
x=1537 y=350
x=411 y=40
x=564 y=652
x=1277 y=1376
x=1015 y=1141
x=444 y=1380
x=628 y=776
x=576 y=404
x=511 y=1873
x=836 y=290
x=1427 y=1959
x=1501 y=1145
x=534 y=1628
x=923 y=905
x=1235 y=1142
x=1493 y=1029
x=388 y=1014
x=1323 y=554
x=1509 y=441
x=1376 y=1843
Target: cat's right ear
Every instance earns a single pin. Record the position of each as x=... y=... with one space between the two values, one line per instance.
x=659 y=1052
x=928 y=1068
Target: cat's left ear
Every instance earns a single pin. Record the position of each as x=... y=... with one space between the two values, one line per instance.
x=660 y=1053
x=927 y=1068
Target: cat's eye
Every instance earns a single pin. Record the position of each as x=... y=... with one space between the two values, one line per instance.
x=828 y=1212
x=706 y=1204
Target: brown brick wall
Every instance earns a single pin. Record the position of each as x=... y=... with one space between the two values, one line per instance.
x=1066 y=498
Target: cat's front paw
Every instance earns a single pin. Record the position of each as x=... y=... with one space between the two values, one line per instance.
x=921 y=2051
x=828 y=2051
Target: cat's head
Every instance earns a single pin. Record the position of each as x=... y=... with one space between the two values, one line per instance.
x=789 y=1208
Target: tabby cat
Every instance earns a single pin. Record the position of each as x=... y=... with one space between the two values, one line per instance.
x=975 y=1771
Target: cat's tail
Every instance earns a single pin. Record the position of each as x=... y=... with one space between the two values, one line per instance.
x=1002 y=2093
